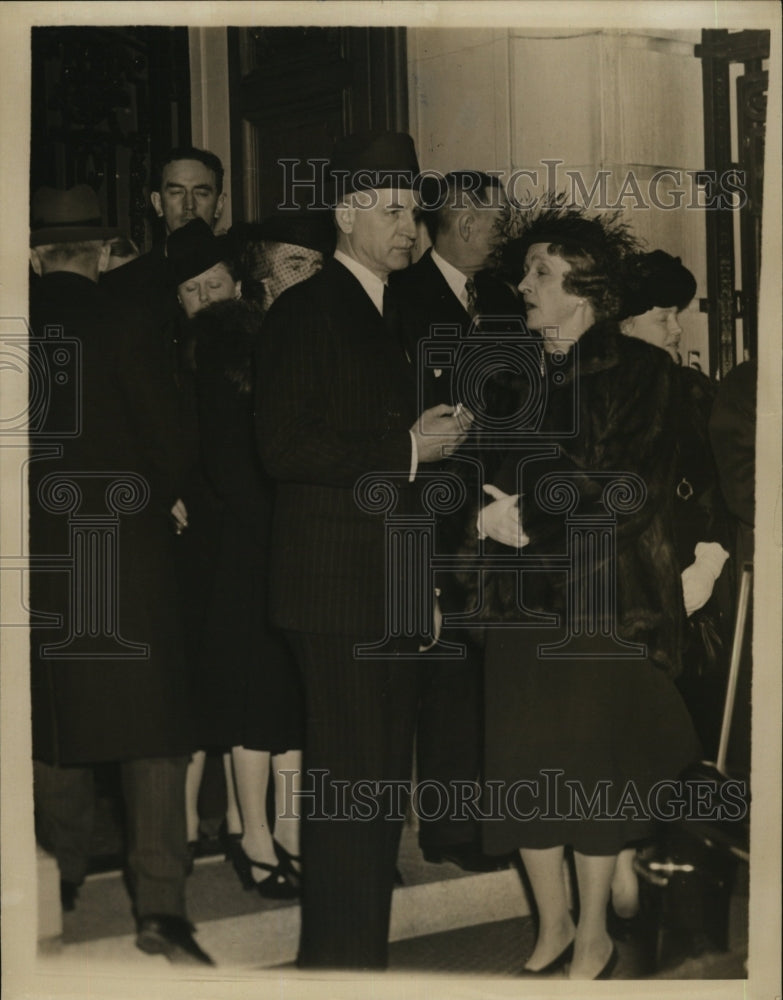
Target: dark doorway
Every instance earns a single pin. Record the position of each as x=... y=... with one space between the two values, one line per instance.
x=106 y=104
x=733 y=312
x=294 y=91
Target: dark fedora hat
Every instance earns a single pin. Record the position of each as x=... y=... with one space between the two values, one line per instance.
x=193 y=249
x=67 y=216
x=368 y=160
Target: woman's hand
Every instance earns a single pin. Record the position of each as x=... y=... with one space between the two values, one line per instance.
x=500 y=519
x=699 y=578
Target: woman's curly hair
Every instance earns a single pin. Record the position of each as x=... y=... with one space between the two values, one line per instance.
x=595 y=247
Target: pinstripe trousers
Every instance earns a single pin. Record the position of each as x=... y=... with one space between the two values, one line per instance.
x=154 y=794
x=360 y=720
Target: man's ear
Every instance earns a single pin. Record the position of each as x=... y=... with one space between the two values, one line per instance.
x=35 y=262
x=238 y=290
x=221 y=203
x=344 y=216
x=465 y=224
x=157 y=204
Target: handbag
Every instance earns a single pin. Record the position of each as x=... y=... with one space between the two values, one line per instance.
x=704 y=646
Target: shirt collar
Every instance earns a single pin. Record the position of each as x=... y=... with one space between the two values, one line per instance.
x=370 y=282
x=455 y=279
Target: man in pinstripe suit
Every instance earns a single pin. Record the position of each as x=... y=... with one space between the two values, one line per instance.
x=337 y=400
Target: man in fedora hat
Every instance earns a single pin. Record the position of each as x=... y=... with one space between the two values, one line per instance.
x=337 y=401
x=107 y=661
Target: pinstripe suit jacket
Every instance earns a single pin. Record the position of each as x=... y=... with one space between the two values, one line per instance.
x=336 y=398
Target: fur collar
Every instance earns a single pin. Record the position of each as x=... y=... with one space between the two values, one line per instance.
x=223 y=336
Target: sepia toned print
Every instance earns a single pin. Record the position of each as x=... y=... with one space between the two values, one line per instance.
x=390 y=551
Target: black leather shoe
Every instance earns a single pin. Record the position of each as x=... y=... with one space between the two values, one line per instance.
x=164 y=934
x=283 y=881
x=468 y=857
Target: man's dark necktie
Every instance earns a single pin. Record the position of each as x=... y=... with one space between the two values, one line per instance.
x=392 y=319
x=472 y=294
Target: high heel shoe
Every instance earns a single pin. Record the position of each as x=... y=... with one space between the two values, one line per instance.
x=609 y=967
x=555 y=965
x=277 y=886
x=290 y=864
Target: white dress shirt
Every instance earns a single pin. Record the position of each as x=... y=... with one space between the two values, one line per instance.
x=370 y=282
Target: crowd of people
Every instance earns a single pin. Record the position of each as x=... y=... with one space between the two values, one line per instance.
x=252 y=412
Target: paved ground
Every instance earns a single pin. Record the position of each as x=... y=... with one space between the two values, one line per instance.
x=491 y=933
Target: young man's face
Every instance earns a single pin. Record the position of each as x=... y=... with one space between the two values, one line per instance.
x=188 y=190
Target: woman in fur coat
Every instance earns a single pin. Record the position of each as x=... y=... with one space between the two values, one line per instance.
x=247 y=685
x=656 y=288
x=583 y=720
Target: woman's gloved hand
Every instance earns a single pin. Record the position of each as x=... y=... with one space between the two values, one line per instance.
x=501 y=520
x=699 y=578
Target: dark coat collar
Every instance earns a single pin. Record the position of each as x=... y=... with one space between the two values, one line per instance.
x=599 y=349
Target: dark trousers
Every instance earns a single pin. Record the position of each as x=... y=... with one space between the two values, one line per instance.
x=65 y=815
x=360 y=720
x=448 y=745
x=154 y=793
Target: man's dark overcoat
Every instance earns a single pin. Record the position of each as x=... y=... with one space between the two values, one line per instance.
x=95 y=698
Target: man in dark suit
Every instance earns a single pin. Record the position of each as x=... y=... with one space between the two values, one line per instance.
x=108 y=678
x=336 y=402
x=187 y=184
x=450 y=286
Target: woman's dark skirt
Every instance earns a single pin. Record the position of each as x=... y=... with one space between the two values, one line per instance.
x=577 y=747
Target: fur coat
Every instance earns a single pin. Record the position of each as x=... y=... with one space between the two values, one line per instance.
x=609 y=407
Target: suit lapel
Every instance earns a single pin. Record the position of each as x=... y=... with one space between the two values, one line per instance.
x=351 y=301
